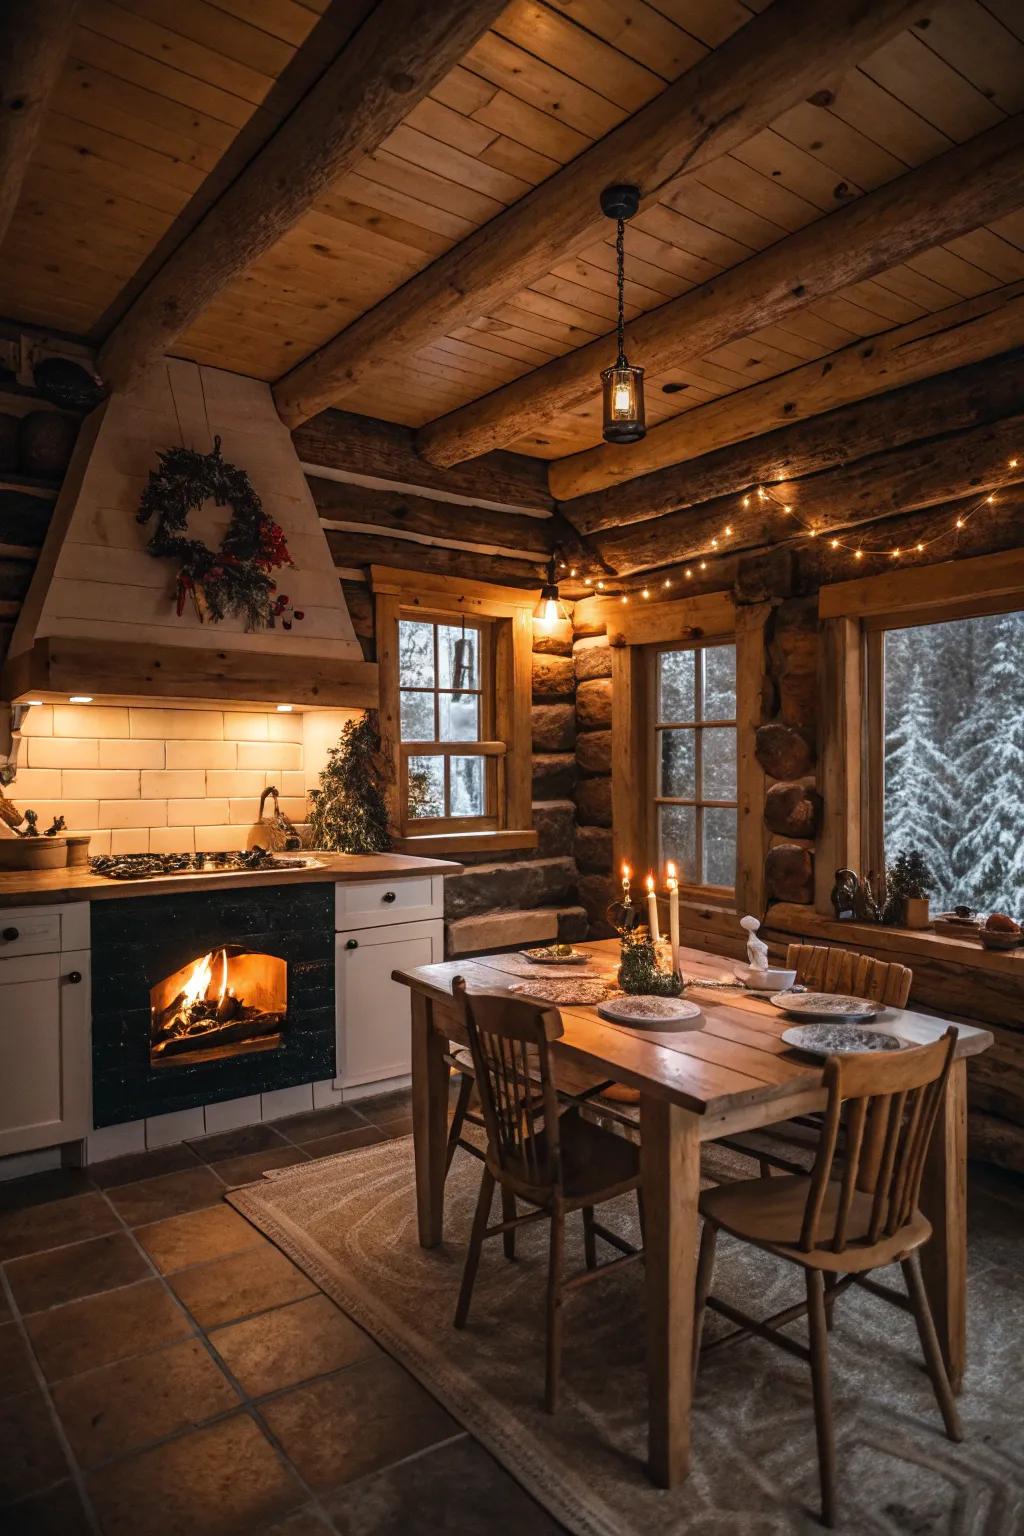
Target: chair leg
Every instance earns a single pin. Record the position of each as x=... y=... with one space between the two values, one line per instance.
x=554 y=1308
x=642 y=1215
x=589 y=1240
x=476 y=1242
x=705 y=1271
x=459 y=1117
x=508 y=1213
x=831 y=1281
x=765 y=1168
x=822 y=1395
x=911 y=1268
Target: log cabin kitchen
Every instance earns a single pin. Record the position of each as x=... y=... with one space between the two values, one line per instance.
x=511 y=616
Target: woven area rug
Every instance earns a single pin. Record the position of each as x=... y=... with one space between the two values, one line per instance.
x=349 y=1222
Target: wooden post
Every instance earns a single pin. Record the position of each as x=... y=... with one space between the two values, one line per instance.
x=840 y=712
x=629 y=797
x=944 y=1202
x=670 y=1164
x=34 y=40
x=751 y=831
x=429 y=1120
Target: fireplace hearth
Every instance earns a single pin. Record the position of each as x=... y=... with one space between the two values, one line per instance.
x=204 y=996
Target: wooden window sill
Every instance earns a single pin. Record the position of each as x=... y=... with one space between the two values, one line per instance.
x=788 y=920
x=467 y=842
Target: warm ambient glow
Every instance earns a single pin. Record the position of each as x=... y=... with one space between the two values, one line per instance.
x=285 y=709
x=80 y=698
x=33 y=701
x=671 y=878
x=550 y=610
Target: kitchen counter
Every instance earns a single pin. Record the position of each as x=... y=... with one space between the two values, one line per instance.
x=23 y=888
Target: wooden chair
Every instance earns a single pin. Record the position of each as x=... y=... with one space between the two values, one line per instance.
x=822 y=969
x=554 y=1162
x=840 y=1222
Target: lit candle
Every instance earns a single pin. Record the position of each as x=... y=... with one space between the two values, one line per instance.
x=652 y=910
x=673 y=912
x=626 y=872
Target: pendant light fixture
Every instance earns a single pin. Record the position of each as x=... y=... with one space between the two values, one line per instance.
x=622 y=385
x=550 y=608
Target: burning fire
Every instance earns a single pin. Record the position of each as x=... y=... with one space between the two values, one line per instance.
x=197 y=987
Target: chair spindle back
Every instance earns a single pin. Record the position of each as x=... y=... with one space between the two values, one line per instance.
x=827 y=969
x=896 y=1098
x=509 y=1039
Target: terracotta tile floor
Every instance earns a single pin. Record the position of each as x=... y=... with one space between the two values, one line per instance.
x=166 y=1371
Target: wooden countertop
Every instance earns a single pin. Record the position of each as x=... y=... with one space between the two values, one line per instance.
x=24 y=888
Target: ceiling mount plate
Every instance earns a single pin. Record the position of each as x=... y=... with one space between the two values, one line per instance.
x=620 y=201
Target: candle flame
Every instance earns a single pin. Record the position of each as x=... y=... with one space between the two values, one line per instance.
x=670 y=875
x=650 y=884
x=626 y=871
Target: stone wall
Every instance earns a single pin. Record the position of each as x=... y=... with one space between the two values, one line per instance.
x=786 y=747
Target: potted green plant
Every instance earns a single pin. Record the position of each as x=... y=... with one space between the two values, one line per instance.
x=909 y=883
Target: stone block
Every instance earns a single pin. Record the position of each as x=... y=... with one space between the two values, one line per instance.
x=553 y=677
x=573 y=925
x=554 y=727
x=584 y=624
x=554 y=822
x=495 y=887
x=594 y=704
x=591 y=661
x=593 y=849
x=762 y=577
x=554 y=774
x=789 y=874
x=793 y=657
x=595 y=893
x=594 y=752
x=783 y=752
x=594 y=802
x=556 y=641
x=792 y=810
x=500 y=930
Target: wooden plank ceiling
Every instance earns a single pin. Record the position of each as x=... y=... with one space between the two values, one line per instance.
x=161 y=102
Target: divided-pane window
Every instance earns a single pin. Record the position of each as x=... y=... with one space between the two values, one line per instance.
x=950 y=779
x=694 y=762
x=448 y=764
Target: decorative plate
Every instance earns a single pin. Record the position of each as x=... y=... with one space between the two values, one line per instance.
x=551 y=955
x=575 y=989
x=839 y=1039
x=648 y=1011
x=827 y=1005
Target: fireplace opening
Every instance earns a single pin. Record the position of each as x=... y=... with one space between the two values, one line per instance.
x=224 y=1003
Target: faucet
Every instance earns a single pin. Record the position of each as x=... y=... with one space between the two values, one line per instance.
x=280 y=822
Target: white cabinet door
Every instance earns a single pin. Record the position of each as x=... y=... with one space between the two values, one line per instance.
x=45 y=1067
x=373 y=1012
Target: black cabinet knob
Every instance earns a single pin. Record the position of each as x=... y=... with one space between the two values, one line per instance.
x=74 y=977
x=389 y=897
x=10 y=934
x=352 y=944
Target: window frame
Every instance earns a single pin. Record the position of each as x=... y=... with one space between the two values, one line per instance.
x=654 y=730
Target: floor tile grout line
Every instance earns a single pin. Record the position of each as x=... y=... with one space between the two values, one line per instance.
x=75 y=1474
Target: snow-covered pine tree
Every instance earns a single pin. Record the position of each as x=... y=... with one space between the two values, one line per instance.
x=989 y=751
x=919 y=804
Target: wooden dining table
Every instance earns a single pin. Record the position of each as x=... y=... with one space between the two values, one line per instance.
x=729 y=1072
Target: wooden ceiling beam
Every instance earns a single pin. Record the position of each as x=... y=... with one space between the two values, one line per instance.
x=966 y=397
x=399 y=511
x=363 y=549
x=949 y=196
x=360 y=449
x=34 y=40
x=394 y=59
x=778 y=59
x=965 y=333
x=921 y=474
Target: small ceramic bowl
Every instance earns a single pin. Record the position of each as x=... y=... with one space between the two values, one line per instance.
x=771 y=980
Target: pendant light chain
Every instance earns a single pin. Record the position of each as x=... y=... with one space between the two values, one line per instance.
x=620 y=269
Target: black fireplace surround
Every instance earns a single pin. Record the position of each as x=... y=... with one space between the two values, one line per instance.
x=136 y=942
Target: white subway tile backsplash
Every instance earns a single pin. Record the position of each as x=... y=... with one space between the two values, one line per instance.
x=242 y=726
x=99 y=784
x=80 y=720
x=190 y=813
x=132 y=754
x=130 y=840
x=176 y=724
x=245 y=811
x=216 y=839
x=171 y=840
x=179 y=784
x=38 y=721
x=252 y=782
x=269 y=754
x=133 y=813
x=284 y=727
x=80 y=815
x=34 y=784
x=62 y=752
x=199 y=754
x=291 y=782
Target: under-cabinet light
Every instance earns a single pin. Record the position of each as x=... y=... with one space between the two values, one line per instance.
x=285 y=709
x=80 y=698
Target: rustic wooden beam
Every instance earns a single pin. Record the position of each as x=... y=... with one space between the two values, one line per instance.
x=923 y=474
x=399 y=54
x=965 y=333
x=365 y=451
x=965 y=398
x=779 y=58
x=34 y=40
x=359 y=549
x=399 y=510
x=951 y=195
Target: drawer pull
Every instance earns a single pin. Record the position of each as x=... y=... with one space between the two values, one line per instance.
x=74 y=977
x=389 y=896
x=352 y=944
x=10 y=934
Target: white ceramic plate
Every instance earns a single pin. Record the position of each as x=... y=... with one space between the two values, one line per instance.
x=648 y=1012
x=839 y=1039
x=827 y=1006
